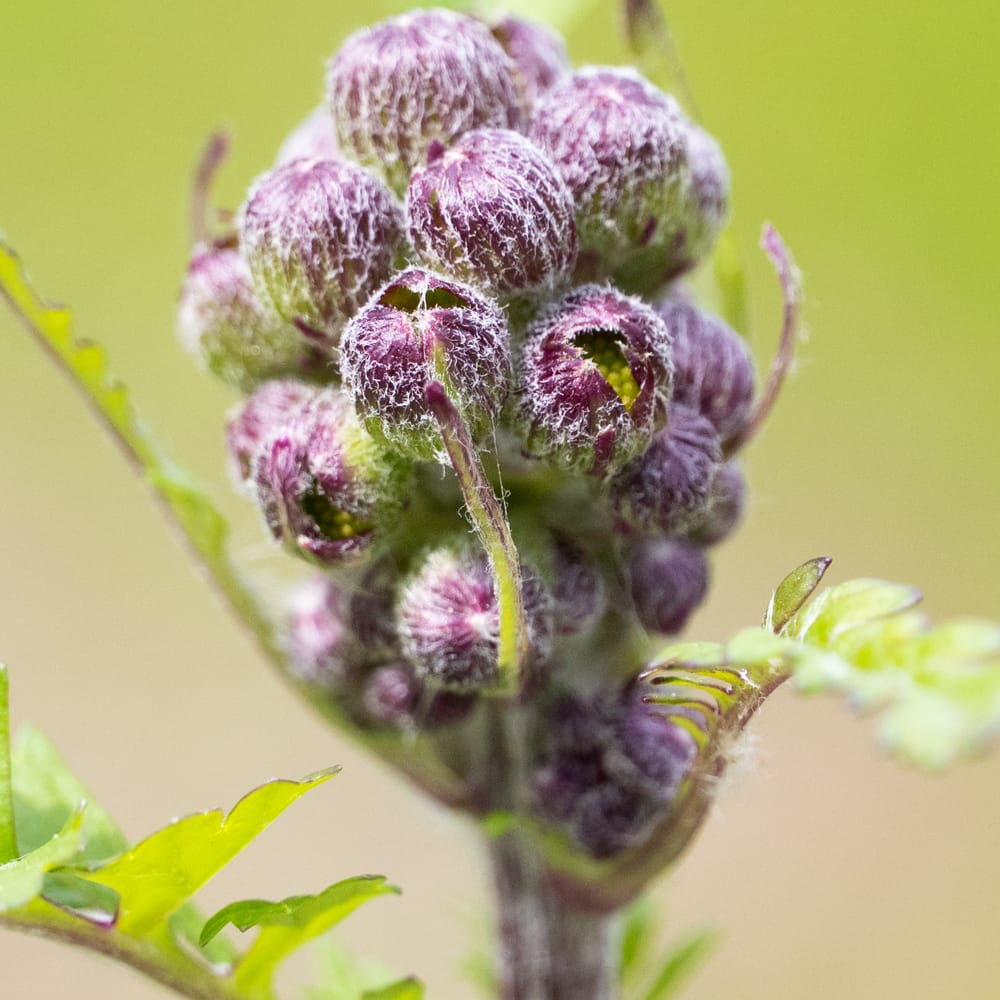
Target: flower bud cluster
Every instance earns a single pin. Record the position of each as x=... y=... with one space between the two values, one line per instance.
x=469 y=219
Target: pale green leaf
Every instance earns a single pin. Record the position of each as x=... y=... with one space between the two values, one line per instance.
x=405 y=989
x=793 y=592
x=680 y=964
x=8 y=836
x=46 y=794
x=81 y=897
x=162 y=872
x=638 y=927
x=21 y=880
x=287 y=925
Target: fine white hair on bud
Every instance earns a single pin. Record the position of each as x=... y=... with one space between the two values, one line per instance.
x=412 y=80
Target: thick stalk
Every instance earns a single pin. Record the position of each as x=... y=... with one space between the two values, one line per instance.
x=549 y=949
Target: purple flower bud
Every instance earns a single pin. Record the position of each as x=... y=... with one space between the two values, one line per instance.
x=610 y=819
x=423 y=77
x=578 y=592
x=620 y=145
x=312 y=139
x=394 y=696
x=713 y=370
x=319 y=638
x=668 y=580
x=493 y=211
x=722 y=513
x=593 y=380
x=324 y=486
x=665 y=489
x=706 y=202
x=449 y=621
x=538 y=55
x=320 y=236
x=419 y=328
x=221 y=321
x=272 y=408
x=657 y=746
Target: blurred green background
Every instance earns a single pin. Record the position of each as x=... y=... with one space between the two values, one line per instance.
x=869 y=134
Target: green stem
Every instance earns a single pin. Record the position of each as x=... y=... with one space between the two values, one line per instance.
x=8 y=837
x=491 y=525
x=162 y=962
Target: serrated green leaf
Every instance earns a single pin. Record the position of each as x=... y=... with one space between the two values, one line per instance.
x=185 y=926
x=157 y=876
x=8 y=836
x=680 y=964
x=793 y=592
x=405 y=989
x=21 y=880
x=287 y=925
x=849 y=605
x=47 y=793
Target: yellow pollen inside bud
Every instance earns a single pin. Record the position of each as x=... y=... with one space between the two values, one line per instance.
x=603 y=348
x=331 y=521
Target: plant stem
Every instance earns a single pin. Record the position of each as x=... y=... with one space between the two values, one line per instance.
x=549 y=949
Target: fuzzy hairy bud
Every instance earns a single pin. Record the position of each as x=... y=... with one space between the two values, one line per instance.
x=578 y=592
x=724 y=509
x=409 y=81
x=668 y=580
x=222 y=322
x=593 y=380
x=537 y=53
x=493 y=211
x=706 y=202
x=319 y=639
x=665 y=490
x=269 y=410
x=418 y=328
x=620 y=146
x=312 y=139
x=320 y=236
x=395 y=696
x=713 y=370
x=449 y=620
x=326 y=489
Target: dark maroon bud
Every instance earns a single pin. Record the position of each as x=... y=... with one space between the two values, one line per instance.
x=372 y=602
x=320 y=236
x=326 y=489
x=222 y=322
x=271 y=409
x=410 y=81
x=493 y=211
x=593 y=381
x=668 y=580
x=660 y=748
x=538 y=55
x=722 y=513
x=611 y=818
x=713 y=370
x=319 y=638
x=395 y=696
x=312 y=139
x=706 y=202
x=449 y=621
x=421 y=328
x=620 y=146
x=578 y=592
x=665 y=490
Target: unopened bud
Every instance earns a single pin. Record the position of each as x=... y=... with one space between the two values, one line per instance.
x=312 y=139
x=724 y=509
x=415 y=79
x=538 y=55
x=493 y=211
x=706 y=201
x=667 y=580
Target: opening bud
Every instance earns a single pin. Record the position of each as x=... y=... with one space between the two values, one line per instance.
x=493 y=211
x=326 y=489
x=320 y=236
x=422 y=77
x=593 y=380
x=419 y=328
